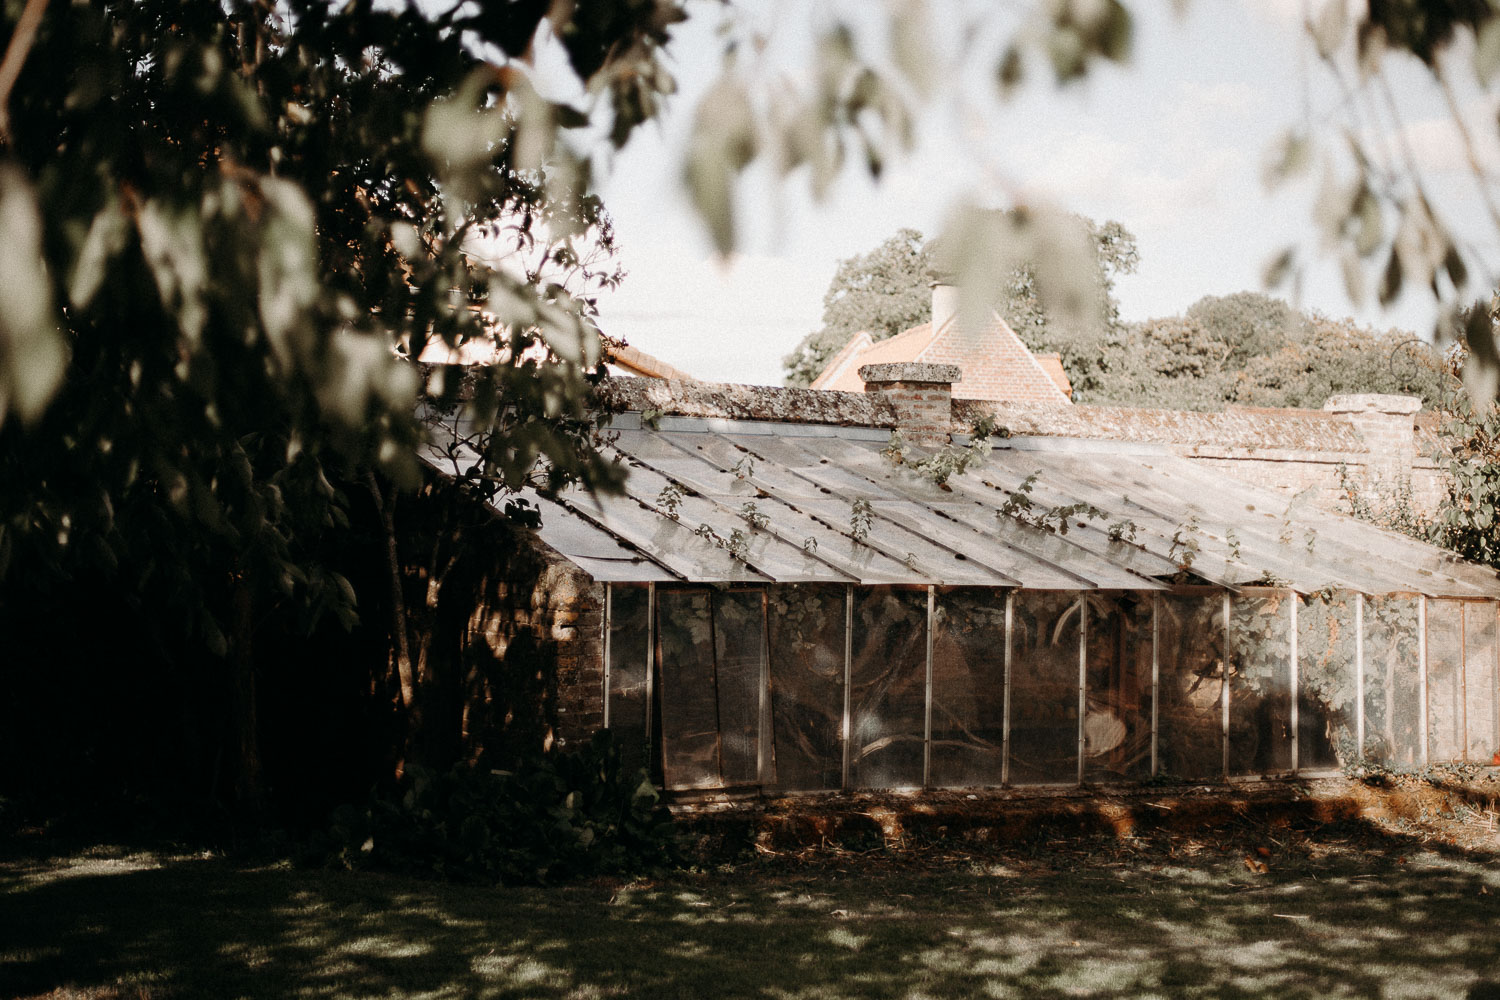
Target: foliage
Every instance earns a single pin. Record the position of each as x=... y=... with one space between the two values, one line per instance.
x=950 y=460
x=1372 y=211
x=1466 y=521
x=882 y=292
x=558 y=816
x=861 y=517
x=1250 y=324
x=1172 y=363
x=1253 y=350
x=234 y=225
x=1336 y=356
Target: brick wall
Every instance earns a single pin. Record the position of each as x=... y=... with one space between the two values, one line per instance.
x=920 y=396
x=541 y=618
x=510 y=659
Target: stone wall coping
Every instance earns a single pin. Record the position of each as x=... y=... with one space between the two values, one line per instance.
x=1373 y=402
x=911 y=371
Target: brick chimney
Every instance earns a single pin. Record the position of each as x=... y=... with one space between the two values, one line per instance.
x=945 y=302
x=1387 y=425
x=922 y=396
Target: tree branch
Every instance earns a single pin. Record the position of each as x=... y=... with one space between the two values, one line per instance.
x=15 y=55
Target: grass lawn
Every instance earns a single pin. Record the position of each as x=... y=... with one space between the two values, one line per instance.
x=1336 y=913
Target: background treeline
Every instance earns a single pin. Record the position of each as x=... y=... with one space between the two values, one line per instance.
x=1247 y=348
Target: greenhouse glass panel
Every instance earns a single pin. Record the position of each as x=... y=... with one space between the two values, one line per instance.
x=629 y=659
x=1044 y=687
x=1260 y=682
x=1483 y=715
x=1393 y=697
x=1445 y=680
x=739 y=648
x=1117 y=726
x=889 y=687
x=806 y=624
x=689 y=700
x=1190 y=644
x=1326 y=705
x=968 y=688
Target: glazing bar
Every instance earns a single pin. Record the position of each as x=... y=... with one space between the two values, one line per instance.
x=848 y=670
x=1083 y=667
x=1421 y=667
x=1155 y=681
x=1359 y=675
x=1295 y=680
x=763 y=744
x=1010 y=607
x=927 y=708
x=1224 y=690
x=650 y=660
x=609 y=617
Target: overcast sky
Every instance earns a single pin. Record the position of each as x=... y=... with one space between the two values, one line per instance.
x=1172 y=147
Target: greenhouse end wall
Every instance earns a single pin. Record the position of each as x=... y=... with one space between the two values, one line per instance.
x=819 y=687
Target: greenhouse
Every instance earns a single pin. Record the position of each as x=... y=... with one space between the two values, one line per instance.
x=808 y=687
x=802 y=607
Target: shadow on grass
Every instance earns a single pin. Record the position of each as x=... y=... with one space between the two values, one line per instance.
x=1351 y=924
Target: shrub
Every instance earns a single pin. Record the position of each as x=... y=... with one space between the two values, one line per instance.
x=558 y=816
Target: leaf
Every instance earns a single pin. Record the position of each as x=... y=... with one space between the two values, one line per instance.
x=1482 y=366
x=1329 y=29
x=1289 y=158
x=456 y=133
x=287 y=266
x=1010 y=71
x=911 y=43
x=1420 y=243
x=1354 y=277
x=33 y=353
x=1279 y=268
x=723 y=142
x=106 y=237
x=1390 y=280
x=1487 y=50
x=172 y=242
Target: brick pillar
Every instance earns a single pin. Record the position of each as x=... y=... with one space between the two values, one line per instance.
x=1387 y=425
x=922 y=396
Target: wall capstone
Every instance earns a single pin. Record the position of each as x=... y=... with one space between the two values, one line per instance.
x=920 y=394
x=1387 y=425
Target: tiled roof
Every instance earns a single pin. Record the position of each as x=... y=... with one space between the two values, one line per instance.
x=996 y=365
x=634 y=361
x=1053 y=366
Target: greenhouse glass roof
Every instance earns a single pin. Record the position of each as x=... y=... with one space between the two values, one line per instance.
x=712 y=500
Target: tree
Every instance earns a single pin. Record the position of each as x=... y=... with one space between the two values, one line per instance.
x=1467 y=516
x=1336 y=356
x=1252 y=324
x=1168 y=363
x=883 y=292
x=227 y=224
x=887 y=291
x=1265 y=354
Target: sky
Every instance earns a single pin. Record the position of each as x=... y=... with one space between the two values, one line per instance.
x=1172 y=146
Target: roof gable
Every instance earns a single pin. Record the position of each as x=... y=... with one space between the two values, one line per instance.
x=996 y=365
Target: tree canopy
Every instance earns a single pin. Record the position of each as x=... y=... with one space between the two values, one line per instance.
x=229 y=225
x=229 y=229
x=1254 y=350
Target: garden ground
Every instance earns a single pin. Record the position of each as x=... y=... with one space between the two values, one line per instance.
x=1399 y=907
